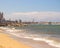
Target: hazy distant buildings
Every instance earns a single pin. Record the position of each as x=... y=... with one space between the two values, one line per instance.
x=1 y=17
x=49 y=23
x=4 y=22
x=19 y=22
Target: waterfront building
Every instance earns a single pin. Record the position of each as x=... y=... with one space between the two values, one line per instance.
x=1 y=17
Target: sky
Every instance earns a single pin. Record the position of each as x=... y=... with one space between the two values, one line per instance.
x=27 y=10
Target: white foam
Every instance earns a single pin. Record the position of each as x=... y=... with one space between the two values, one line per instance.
x=28 y=37
x=50 y=42
x=39 y=39
x=54 y=44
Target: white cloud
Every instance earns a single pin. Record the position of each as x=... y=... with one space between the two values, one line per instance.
x=37 y=13
x=44 y=16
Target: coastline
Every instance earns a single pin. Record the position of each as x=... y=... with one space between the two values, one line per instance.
x=20 y=42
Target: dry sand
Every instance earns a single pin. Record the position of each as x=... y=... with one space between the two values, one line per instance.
x=7 y=42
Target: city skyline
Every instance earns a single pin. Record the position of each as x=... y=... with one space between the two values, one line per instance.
x=27 y=10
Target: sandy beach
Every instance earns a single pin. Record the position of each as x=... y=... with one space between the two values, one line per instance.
x=7 y=42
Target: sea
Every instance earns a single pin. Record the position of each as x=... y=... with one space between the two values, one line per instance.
x=49 y=34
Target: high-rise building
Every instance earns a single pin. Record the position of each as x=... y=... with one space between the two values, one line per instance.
x=2 y=19
x=1 y=15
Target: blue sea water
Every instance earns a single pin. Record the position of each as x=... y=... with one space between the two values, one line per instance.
x=42 y=29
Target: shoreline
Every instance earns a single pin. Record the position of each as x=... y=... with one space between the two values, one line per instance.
x=26 y=42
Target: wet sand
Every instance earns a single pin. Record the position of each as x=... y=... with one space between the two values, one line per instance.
x=32 y=43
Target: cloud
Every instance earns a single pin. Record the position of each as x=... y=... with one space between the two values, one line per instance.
x=37 y=13
x=44 y=16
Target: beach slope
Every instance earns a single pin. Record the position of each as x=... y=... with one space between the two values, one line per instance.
x=7 y=42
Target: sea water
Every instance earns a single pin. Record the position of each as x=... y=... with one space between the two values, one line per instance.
x=46 y=33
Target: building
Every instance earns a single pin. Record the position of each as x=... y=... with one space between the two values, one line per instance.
x=1 y=17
